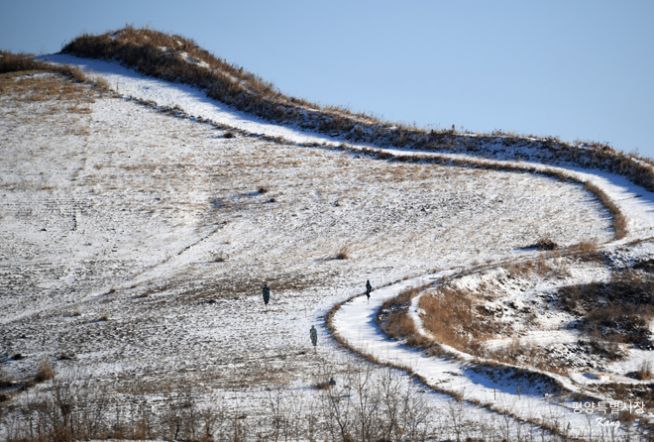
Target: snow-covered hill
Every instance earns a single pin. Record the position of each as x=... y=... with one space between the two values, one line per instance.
x=139 y=224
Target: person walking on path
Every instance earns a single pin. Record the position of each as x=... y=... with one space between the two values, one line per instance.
x=368 y=289
x=266 y=293
x=313 y=334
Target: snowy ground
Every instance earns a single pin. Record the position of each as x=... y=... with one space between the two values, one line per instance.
x=135 y=242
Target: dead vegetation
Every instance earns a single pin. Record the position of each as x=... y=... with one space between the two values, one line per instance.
x=618 y=311
x=68 y=96
x=394 y=319
x=526 y=355
x=645 y=372
x=545 y=244
x=352 y=404
x=540 y=266
x=23 y=63
x=5 y=379
x=450 y=314
x=588 y=248
x=630 y=394
x=619 y=220
x=44 y=372
x=343 y=253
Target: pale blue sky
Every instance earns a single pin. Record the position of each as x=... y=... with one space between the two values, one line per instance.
x=574 y=69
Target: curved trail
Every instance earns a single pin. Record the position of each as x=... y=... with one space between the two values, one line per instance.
x=354 y=321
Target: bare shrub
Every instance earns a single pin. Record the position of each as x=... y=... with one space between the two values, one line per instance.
x=545 y=244
x=366 y=407
x=343 y=253
x=44 y=372
x=364 y=404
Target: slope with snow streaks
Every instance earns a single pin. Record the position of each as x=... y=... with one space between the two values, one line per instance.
x=159 y=232
x=635 y=202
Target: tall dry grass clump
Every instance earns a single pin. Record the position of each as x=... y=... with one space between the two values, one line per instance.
x=395 y=321
x=449 y=316
x=645 y=371
x=44 y=372
x=342 y=253
x=399 y=325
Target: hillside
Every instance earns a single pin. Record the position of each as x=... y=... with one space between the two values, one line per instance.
x=150 y=189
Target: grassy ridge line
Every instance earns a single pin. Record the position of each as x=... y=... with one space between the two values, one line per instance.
x=12 y=62
x=175 y=58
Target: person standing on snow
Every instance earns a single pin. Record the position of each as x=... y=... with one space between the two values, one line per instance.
x=266 y=293
x=368 y=289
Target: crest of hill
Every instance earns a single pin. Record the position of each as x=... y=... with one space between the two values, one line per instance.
x=179 y=59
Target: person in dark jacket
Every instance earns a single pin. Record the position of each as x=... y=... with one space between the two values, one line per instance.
x=368 y=288
x=266 y=293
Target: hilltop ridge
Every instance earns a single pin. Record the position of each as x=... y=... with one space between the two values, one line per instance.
x=179 y=59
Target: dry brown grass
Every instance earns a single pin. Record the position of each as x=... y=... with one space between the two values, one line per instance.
x=554 y=428
x=343 y=253
x=450 y=316
x=403 y=299
x=394 y=319
x=645 y=372
x=42 y=88
x=44 y=372
x=399 y=325
x=584 y=247
x=540 y=266
x=619 y=221
x=10 y=62
x=5 y=379
x=23 y=63
x=524 y=354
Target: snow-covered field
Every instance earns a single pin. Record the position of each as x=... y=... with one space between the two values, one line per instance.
x=135 y=244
